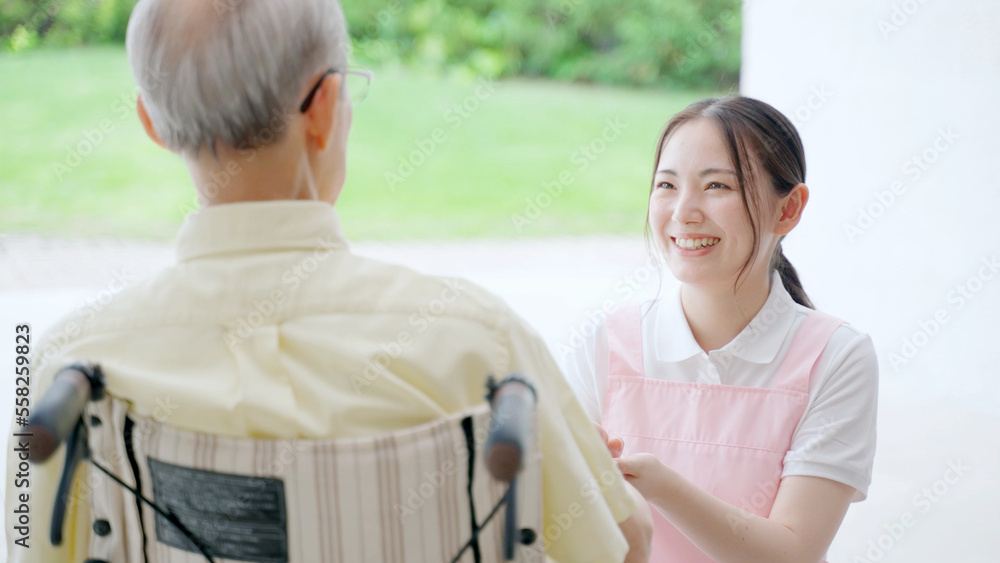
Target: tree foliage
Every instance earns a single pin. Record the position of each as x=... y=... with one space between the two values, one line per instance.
x=687 y=43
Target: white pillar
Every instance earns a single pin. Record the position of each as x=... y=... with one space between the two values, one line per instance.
x=898 y=104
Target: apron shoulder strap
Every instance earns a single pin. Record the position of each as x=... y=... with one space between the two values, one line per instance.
x=807 y=346
x=624 y=328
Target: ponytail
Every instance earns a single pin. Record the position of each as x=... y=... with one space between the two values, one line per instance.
x=790 y=279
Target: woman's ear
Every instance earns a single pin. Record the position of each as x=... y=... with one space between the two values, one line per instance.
x=791 y=209
x=147 y=123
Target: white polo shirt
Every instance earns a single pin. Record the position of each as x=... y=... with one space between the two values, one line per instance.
x=836 y=437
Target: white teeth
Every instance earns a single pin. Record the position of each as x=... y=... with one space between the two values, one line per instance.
x=695 y=243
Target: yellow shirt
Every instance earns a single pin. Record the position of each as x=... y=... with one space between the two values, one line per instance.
x=269 y=327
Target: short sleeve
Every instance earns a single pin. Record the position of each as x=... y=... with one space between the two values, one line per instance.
x=586 y=376
x=585 y=495
x=836 y=436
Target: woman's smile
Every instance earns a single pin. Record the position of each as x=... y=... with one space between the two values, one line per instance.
x=694 y=246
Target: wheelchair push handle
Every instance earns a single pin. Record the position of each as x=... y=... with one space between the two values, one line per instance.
x=513 y=401
x=59 y=409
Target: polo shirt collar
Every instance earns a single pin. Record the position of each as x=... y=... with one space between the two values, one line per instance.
x=759 y=342
x=256 y=226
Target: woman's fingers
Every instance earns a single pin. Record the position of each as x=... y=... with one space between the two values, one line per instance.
x=636 y=464
x=616 y=446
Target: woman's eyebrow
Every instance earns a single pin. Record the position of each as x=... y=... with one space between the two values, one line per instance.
x=704 y=172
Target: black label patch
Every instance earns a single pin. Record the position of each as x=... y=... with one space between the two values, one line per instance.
x=233 y=516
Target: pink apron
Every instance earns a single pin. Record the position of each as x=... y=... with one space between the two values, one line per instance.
x=729 y=440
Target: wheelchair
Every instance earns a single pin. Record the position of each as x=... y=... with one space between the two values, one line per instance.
x=431 y=493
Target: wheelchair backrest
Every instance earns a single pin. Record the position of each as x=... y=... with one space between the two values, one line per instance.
x=415 y=495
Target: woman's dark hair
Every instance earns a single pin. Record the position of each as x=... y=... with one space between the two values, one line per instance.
x=765 y=150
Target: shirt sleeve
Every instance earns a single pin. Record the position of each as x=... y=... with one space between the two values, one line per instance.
x=584 y=494
x=586 y=377
x=836 y=437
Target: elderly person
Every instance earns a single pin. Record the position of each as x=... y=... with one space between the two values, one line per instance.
x=268 y=326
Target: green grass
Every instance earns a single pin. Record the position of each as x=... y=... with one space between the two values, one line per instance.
x=521 y=135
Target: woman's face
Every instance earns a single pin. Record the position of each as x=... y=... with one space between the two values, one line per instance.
x=696 y=210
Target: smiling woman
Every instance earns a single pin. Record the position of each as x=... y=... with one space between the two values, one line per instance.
x=748 y=417
x=693 y=211
x=733 y=173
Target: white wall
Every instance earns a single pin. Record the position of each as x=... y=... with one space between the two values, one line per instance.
x=902 y=95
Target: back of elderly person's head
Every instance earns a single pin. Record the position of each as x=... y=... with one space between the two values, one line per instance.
x=228 y=70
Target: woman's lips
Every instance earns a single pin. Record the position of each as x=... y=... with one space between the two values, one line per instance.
x=695 y=245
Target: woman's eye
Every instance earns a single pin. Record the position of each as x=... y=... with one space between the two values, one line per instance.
x=665 y=185
x=717 y=185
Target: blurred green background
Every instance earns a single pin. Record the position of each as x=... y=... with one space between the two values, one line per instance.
x=486 y=117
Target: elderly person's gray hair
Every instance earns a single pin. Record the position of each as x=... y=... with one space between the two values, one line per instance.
x=229 y=70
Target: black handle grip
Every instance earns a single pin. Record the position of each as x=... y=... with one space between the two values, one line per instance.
x=56 y=414
x=510 y=430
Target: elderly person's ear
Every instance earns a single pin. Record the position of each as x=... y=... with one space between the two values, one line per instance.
x=322 y=112
x=147 y=123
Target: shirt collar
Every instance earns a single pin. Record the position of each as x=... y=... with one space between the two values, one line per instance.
x=259 y=225
x=758 y=342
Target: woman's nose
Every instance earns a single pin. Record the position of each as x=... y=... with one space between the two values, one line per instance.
x=687 y=208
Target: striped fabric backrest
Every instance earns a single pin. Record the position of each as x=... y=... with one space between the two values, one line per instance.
x=402 y=497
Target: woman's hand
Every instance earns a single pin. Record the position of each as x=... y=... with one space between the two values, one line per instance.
x=647 y=474
x=615 y=445
x=638 y=528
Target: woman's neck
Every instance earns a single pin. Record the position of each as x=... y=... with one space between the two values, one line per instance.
x=716 y=316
